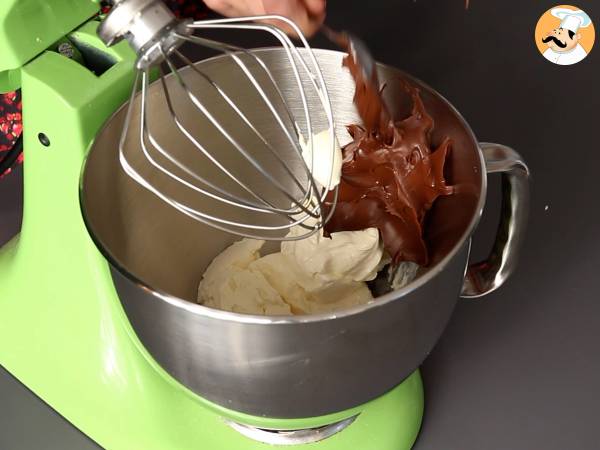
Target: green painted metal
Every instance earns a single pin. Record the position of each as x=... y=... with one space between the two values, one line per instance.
x=10 y=80
x=63 y=332
x=28 y=27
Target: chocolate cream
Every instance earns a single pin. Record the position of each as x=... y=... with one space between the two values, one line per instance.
x=391 y=176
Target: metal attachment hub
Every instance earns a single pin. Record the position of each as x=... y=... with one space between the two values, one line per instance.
x=147 y=25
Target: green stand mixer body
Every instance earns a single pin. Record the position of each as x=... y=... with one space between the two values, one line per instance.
x=63 y=331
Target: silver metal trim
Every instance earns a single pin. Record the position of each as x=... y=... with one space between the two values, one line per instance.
x=290 y=437
x=486 y=276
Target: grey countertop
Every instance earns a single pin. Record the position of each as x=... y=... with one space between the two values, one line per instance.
x=520 y=368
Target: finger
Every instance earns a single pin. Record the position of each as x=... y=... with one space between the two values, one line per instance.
x=315 y=7
x=312 y=25
x=222 y=7
x=316 y=14
x=236 y=8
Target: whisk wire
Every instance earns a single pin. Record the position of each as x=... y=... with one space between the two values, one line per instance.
x=306 y=209
x=207 y=219
x=238 y=146
x=306 y=191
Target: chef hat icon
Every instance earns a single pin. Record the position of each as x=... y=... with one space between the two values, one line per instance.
x=572 y=19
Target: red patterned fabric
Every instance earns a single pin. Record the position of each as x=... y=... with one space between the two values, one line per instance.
x=10 y=103
x=10 y=122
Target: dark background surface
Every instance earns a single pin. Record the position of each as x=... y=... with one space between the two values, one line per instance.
x=519 y=369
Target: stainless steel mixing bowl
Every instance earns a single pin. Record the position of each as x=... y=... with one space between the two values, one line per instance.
x=304 y=366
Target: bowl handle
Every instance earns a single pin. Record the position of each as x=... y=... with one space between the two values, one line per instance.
x=486 y=276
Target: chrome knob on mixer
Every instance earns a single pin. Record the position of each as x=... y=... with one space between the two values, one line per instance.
x=211 y=130
x=143 y=23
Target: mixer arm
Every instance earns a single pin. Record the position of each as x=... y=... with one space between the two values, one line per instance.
x=19 y=44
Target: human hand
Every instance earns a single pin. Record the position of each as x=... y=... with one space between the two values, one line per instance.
x=307 y=14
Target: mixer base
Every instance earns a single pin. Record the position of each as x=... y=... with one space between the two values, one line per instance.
x=402 y=408
x=391 y=422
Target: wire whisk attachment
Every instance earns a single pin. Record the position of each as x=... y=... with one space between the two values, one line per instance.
x=246 y=145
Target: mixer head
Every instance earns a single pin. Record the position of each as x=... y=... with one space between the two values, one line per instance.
x=215 y=143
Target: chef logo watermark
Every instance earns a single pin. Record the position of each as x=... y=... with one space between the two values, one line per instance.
x=565 y=35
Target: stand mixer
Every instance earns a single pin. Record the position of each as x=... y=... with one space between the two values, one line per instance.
x=105 y=331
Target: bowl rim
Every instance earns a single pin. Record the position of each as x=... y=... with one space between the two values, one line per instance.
x=377 y=302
